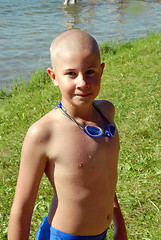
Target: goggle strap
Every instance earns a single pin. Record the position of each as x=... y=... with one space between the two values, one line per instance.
x=68 y=116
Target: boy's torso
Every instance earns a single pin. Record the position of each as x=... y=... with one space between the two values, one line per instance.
x=83 y=173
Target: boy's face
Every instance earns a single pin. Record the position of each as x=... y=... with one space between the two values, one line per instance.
x=78 y=75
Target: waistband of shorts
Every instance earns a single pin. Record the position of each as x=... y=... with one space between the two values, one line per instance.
x=66 y=236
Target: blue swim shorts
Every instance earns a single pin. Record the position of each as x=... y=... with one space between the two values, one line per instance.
x=47 y=232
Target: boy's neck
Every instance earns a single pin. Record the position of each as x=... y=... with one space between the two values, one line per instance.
x=84 y=111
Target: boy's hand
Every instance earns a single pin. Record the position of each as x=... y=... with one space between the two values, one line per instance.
x=120 y=235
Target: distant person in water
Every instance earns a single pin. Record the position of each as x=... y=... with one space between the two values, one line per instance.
x=67 y=2
x=77 y=146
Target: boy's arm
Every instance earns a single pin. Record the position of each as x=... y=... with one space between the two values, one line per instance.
x=119 y=224
x=32 y=166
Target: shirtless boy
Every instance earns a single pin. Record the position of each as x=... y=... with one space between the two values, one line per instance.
x=77 y=146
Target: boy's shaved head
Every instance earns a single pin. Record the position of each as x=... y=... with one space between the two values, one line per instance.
x=72 y=40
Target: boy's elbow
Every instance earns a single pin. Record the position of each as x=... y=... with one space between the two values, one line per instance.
x=19 y=213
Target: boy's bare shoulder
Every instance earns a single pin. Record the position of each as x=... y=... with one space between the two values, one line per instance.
x=107 y=108
x=41 y=130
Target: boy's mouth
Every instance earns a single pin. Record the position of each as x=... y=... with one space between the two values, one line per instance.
x=82 y=94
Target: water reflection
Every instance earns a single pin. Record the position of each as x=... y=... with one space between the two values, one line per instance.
x=81 y=12
x=85 y=11
x=74 y=12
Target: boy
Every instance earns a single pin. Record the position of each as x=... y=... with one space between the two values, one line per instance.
x=77 y=146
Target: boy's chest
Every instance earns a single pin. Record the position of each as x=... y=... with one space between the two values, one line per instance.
x=72 y=148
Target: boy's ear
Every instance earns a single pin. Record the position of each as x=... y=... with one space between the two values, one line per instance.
x=102 y=67
x=53 y=76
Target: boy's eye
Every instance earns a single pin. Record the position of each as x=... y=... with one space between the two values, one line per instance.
x=90 y=72
x=70 y=73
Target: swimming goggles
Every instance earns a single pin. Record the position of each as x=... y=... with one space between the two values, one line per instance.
x=92 y=131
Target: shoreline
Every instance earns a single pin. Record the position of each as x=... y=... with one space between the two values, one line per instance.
x=109 y=47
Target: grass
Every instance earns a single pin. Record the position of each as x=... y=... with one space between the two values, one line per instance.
x=132 y=82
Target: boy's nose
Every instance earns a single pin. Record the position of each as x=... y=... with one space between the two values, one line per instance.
x=82 y=81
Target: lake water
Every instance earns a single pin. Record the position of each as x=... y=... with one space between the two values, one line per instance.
x=28 y=27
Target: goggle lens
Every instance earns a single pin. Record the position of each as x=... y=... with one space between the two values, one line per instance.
x=93 y=131
x=110 y=130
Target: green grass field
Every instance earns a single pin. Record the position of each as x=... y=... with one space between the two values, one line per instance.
x=132 y=81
